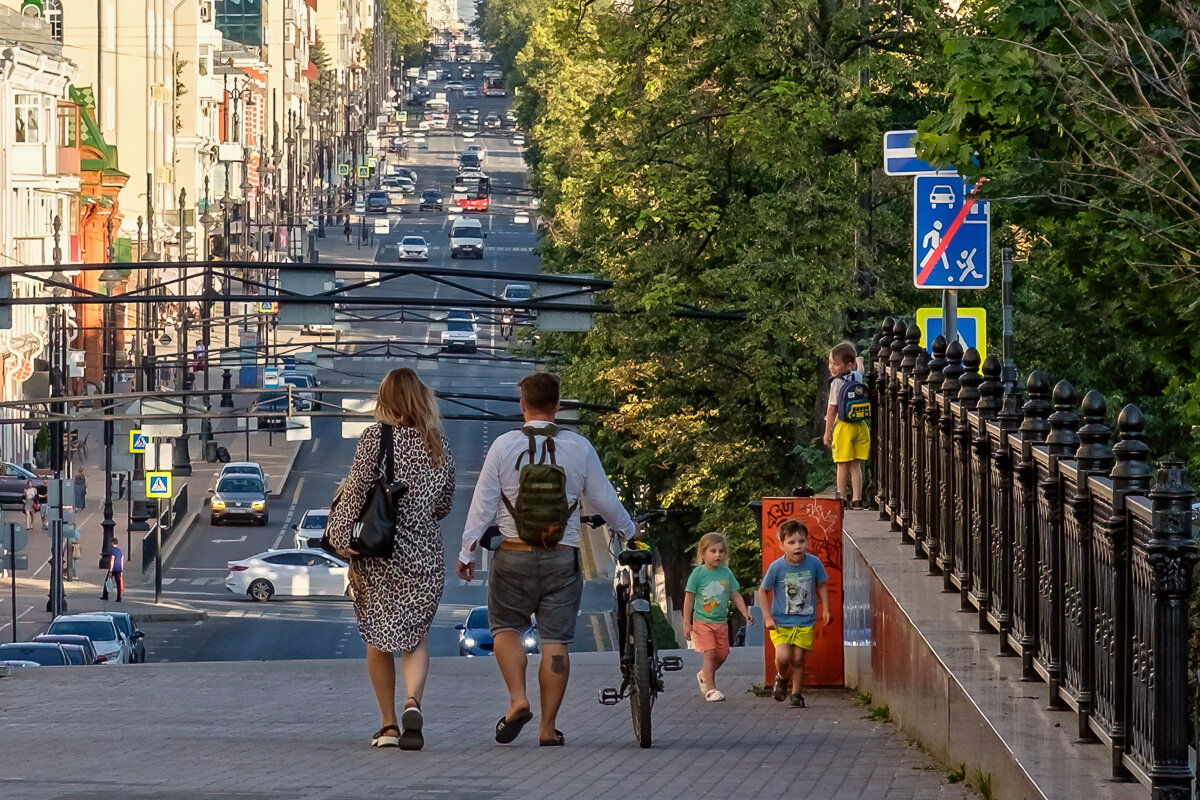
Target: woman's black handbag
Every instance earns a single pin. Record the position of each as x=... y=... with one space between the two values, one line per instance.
x=374 y=532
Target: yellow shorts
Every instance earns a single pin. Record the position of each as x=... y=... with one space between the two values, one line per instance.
x=800 y=637
x=851 y=441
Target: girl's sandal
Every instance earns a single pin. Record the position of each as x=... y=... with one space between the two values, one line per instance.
x=714 y=696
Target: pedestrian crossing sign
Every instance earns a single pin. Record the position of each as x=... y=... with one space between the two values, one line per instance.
x=158 y=485
x=138 y=441
x=364 y=172
x=268 y=307
x=343 y=169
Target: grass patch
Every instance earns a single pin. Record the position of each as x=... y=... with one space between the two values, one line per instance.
x=983 y=784
x=956 y=774
x=862 y=699
x=880 y=714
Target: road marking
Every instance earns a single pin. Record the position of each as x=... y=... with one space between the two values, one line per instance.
x=291 y=510
x=23 y=613
x=238 y=540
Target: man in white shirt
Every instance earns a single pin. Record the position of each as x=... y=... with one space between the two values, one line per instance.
x=525 y=578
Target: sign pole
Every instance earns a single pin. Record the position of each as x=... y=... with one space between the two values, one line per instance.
x=12 y=565
x=1009 y=375
x=950 y=315
x=158 y=551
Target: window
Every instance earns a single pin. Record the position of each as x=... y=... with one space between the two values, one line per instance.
x=288 y=560
x=55 y=18
x=29 y=112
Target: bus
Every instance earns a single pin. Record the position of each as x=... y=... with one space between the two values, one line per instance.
x=493 y=86
x=472 y=191
x=462 y=53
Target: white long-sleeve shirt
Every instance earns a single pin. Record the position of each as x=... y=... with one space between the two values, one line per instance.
x=585 y=478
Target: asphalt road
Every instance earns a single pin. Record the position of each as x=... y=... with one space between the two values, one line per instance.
x=240 y=629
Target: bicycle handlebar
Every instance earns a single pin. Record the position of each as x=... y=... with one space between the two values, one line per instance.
x=652 y=516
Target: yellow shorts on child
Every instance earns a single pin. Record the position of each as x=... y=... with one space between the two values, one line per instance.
x=851 y=441
x=799 y=637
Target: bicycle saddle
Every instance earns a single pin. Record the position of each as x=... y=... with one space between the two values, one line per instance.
x=635 y=558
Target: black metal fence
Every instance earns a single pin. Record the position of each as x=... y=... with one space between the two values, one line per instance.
x=172 y=516
x=1063 y=542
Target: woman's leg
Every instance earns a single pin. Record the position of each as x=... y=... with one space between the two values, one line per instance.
x=415 y=665
x=381 y=667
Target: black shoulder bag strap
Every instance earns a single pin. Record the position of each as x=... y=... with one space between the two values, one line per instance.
x=387 y=452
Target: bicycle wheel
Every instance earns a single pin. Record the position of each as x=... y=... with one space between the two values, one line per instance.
x=640 y=698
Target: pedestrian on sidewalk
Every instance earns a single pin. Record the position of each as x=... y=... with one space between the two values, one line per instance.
x=706 y=623
x=536 y=568
x=846 y=428
x=29 y=500
x=346 y=229
x=396 y=598
x=75 y=552
x=116 y=570
x=786 y=597
x=80 y=491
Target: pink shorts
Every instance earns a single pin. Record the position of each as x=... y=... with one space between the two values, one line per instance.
x=711 y=636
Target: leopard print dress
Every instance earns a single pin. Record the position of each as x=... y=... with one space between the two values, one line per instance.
x=396 y=598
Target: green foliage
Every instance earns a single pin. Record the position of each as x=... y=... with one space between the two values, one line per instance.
x=324 y=91
x=982 y=782
x=404 y=24
x=862 y=699
x=880 y=714
x=956 y=774
x=661 y=630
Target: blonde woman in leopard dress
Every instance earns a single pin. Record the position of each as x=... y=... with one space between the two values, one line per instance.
x=395 y=598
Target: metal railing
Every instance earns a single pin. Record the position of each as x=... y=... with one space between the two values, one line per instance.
x=1064 y=543
x=173 y=515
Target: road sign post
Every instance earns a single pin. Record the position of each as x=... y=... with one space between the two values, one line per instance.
x=158 y=551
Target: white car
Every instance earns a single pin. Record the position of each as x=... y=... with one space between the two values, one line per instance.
x=470 y=92
x=454 y=86
x=291 y=573
x=518 y=140
x=311 y=528
x=461 y=334
x=360 y=205
x=405 y=185
x=108 y=640
x=414 y=248
x=243 y=468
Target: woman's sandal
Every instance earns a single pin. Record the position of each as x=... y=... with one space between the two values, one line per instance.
x=714 y=695
x=411 y=722
x=507 y=729
x=558 y=741
x=384 y=739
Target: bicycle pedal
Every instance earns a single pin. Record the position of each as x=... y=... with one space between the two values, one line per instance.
x=671 y=663
x=609 y=697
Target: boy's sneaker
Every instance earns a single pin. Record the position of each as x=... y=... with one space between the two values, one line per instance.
x=796 y=701
x=779 y=691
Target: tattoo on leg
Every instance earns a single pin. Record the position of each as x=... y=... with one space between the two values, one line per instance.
x=558 y=664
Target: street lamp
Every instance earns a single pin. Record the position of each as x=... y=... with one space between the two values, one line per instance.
x=110 y=278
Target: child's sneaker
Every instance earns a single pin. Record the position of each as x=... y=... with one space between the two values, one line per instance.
x=796 y=701
x=780 y=689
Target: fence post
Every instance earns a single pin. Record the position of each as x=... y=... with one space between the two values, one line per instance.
x=921 y=470
x=1170 y=554
x=908 y=365
x=968 y=394
x=933 y=453
x=895 y=389
x=980 y=534
x=1034 y=428
x=1003 y=505
x=951 y=373
x=876 y=382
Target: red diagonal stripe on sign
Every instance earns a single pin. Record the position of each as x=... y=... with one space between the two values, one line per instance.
x=945 y=243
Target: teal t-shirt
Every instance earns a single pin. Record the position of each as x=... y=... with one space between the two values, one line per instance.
x=713 y=589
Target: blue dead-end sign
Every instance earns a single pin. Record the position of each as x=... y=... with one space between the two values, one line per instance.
x=952 y=233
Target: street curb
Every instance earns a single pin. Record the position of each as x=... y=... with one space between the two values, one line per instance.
x=180 y=535
x=287 y=472
x=172 y=615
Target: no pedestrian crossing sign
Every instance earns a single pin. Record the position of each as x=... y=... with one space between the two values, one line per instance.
x=952 y=233
x=138 y=441
x=972 y=328
x=158 y=485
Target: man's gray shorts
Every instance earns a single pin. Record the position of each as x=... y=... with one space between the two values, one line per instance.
x=548 y=583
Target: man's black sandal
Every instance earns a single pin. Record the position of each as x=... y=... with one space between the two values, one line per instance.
x=411 y=722
x=507 y=729
x=558 y=741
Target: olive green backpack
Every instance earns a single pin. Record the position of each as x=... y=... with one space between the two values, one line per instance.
x=541 y=512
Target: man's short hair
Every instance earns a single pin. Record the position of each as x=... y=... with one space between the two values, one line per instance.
x=540 y=392
x=844 y=353
x=792 y=527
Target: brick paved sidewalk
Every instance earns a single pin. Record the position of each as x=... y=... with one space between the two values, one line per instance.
x=300 y=730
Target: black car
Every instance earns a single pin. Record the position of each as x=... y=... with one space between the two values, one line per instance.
x=137 y=639
x=87 y=650
x=46 y=654
x=469 y=160
x=431 y=199
x=415 y=101
x=271 y=408
x=378 y=203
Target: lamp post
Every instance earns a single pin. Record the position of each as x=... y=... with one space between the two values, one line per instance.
x=110 y=278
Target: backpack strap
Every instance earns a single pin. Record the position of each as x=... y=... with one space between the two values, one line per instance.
x=531 y=431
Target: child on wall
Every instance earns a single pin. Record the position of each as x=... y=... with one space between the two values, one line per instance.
x=787 y=597
x=710 y=589
x=846 y=427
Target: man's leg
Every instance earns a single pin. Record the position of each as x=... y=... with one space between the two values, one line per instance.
x=381 y=667
x=119 y=580
x=510 y=657
x=552 y=682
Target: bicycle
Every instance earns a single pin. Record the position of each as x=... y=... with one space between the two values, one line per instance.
x=641 y=667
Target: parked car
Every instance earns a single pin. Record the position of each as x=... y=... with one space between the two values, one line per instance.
x=432 y=199
x=108 y=640
x=293 y=573
x=239 y=497
x=475 y=638
x=44 y=654
x=126 y=626
x=87 y=654
x=311 y=528
x=12 y=483
x=413 y=248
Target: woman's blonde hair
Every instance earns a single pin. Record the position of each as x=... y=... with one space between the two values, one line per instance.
x=405 y=402
x=707 y=541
